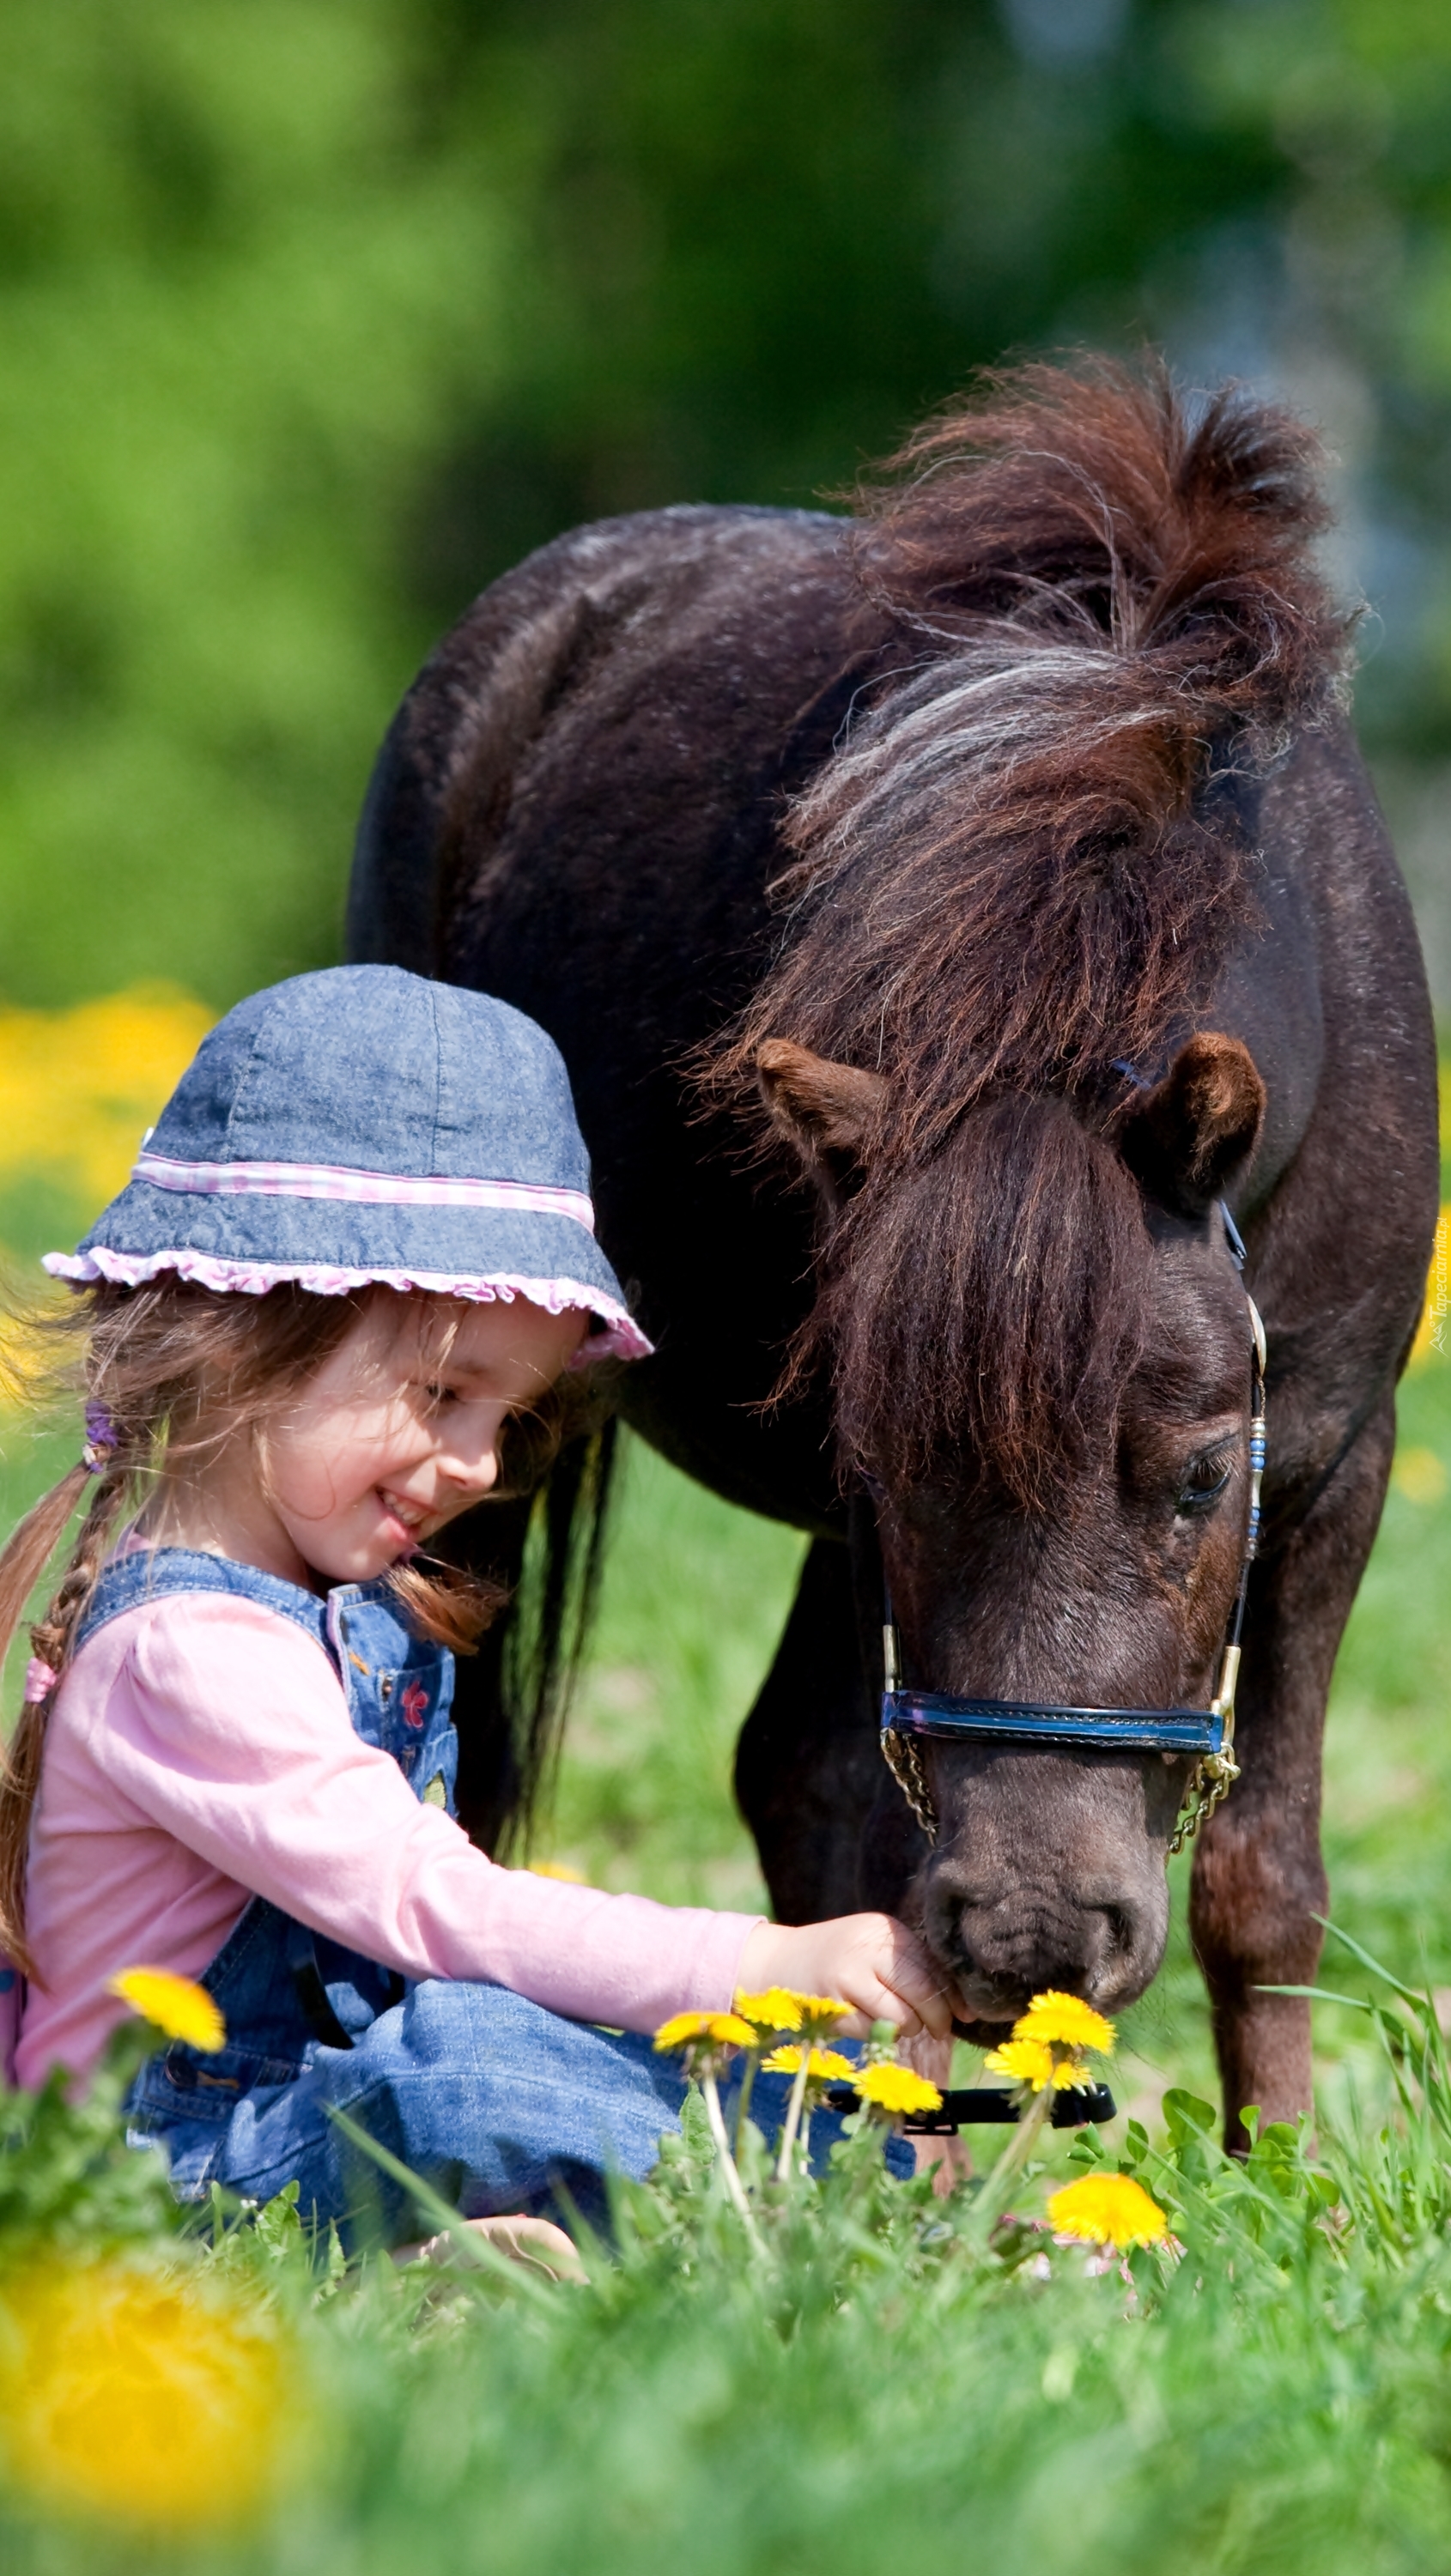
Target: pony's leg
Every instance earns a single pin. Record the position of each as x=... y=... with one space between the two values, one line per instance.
x=1259 y=1880
x=807 y=1762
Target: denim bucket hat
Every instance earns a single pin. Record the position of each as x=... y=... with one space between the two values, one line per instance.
x=365 y=1124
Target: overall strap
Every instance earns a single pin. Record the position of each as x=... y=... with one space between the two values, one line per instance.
x=155 y=1573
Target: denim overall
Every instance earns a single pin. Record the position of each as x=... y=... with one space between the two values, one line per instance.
x=497 y=2103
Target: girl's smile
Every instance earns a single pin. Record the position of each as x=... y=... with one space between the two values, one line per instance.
x=395 y=1436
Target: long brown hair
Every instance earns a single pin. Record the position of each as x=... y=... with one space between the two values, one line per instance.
x=172 y=1372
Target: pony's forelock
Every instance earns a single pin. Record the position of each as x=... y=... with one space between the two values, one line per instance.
x=981 y=1310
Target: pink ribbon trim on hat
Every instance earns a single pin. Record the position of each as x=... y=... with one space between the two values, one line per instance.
x=363 y=1189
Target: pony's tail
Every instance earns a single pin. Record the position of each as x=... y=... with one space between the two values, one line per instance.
x=21 y=1567
x=554 y=1610
x=541 y=1554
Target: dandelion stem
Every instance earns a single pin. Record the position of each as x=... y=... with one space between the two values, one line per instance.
x=733 y=2184
x=743 y=2107
x=793 y=2113
x=988 y=2204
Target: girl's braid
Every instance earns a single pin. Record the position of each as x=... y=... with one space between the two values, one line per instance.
x=108 y=1467
x=53 y=1636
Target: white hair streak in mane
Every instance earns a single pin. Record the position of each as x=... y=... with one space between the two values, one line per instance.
x=969 y=721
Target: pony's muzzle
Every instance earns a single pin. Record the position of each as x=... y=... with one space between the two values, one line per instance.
x=1004 y=1944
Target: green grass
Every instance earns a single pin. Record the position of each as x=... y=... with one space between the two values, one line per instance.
x=869 y=2389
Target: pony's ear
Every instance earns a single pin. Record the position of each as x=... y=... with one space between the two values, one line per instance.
x=828 y=1111
x=1185 y=1138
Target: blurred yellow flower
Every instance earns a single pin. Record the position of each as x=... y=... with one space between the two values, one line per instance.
x=1067 y=2019
x=1107 y=2209
x=1431 y=1331
x=183 y=2010
x=143 y=2399
x=824 y=2065
x=77 y=1087
x=561 y=1869
x=1420 y=1475
x=727 y=2030
x=897 y=2088
x=776 y=2009
x=1031 y=2062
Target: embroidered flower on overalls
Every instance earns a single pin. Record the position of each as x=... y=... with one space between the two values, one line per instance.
x=415 y=1704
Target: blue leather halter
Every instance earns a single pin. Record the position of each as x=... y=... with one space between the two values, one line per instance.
x=1205 y=1735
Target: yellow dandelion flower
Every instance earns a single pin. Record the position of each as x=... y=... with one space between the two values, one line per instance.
x=1070 y=2077
x=826 y=2065
x=821 y=2008
x=183 y=2010
x=1107 y=2209
x=1024 y=2061
x=776 y=2009
x=1067 y=2019
x=727 y=2030
x=144 y=2399
x=896 y=2088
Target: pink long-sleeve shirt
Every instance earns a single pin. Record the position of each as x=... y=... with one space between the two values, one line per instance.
x=199 y=1752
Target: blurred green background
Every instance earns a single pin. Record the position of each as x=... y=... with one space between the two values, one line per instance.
x=315 y=316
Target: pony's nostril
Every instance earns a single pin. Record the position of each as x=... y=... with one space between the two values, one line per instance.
x=949 y=1912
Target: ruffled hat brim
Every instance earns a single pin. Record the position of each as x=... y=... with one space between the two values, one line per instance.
x=249 y=1245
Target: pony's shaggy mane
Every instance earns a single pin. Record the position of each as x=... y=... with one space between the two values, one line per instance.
x=1084 y=612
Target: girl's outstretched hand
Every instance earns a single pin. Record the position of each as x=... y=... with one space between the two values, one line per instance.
x=871 y=1960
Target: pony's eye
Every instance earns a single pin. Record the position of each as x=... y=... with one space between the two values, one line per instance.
x=1204 y=1483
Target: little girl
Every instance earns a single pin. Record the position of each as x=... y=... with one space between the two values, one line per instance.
x=356 y=1249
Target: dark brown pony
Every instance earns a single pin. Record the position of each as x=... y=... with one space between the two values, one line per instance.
x=940 y=910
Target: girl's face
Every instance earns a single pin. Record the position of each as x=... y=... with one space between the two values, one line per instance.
x=395 y=1436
